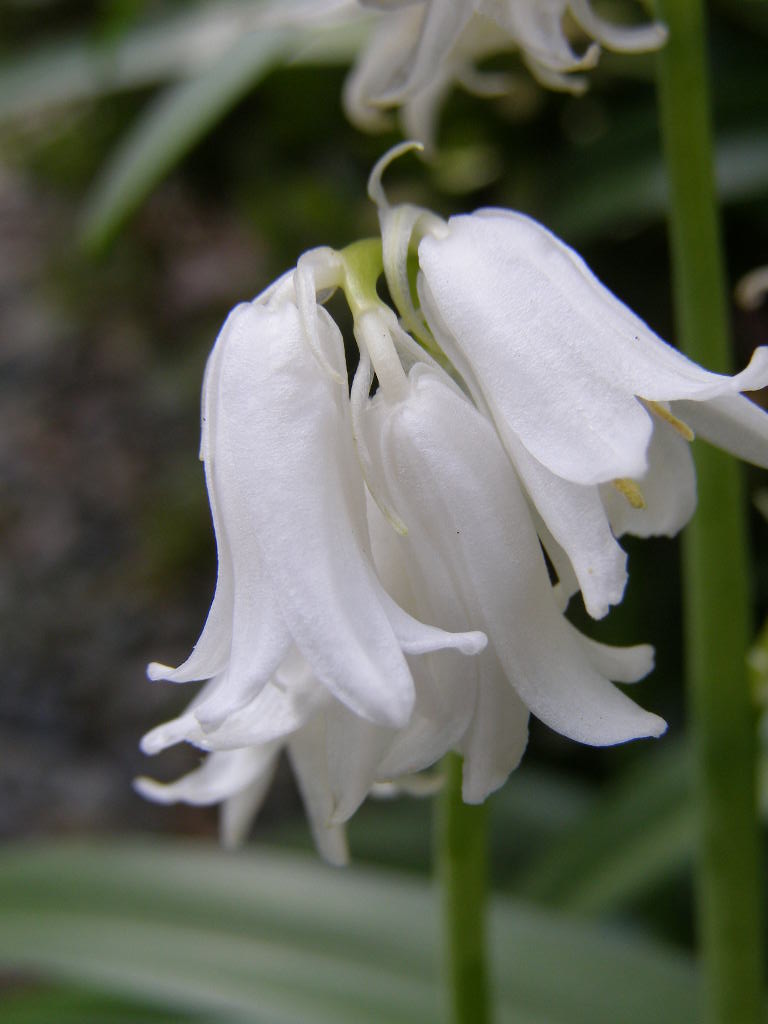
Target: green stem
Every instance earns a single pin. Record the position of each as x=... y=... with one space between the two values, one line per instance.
x=462 y=865
x=716 y=578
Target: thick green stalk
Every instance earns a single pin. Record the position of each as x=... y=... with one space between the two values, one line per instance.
x=462 y=866
x=716 y=578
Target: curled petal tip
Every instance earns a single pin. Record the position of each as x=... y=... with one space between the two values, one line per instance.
x=375 y=187
x=210 y=720
x=591 y=57
x=661 y=33
x=152 y=790
x=152 y=743
x=472 y=643
x=156 y=671
x=657 y=727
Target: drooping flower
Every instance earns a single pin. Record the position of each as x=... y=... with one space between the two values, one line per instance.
x=421 y=47
x=287 y=501
x=471 y=554
x=243 y=752
x=304 y=649
x=585 y=397
x=519 y=404
x=431 y=455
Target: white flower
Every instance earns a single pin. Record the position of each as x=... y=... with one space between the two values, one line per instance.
x=337 y=757
x=519 y=404
x=287 y=501
x=243 y=755
x=585 y=397
x=471 y=554
x=421 y=47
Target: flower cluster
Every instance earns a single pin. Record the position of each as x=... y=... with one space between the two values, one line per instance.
x=419 y=48
x=383 y=596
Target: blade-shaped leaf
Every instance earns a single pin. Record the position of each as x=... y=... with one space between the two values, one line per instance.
x=281 y=938
x=37 y=1005
x=640 y=831
x=175 y=121
x=632 y=189
x=173 y=46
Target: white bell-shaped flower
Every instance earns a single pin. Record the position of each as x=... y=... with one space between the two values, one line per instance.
x=420 y=48
x=337 y=757
x=237 y=775
x=583 y=394
x=287 y=499
x=473 y=557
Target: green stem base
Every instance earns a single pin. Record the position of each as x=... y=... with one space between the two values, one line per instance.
x=462 y=871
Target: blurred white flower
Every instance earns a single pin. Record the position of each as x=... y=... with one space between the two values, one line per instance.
x=421 y=47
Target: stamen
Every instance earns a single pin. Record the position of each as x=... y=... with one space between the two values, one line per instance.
x=664 y=414
x=629 y=489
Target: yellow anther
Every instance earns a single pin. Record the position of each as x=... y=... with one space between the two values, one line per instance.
x=664 y=414
x=630 y=490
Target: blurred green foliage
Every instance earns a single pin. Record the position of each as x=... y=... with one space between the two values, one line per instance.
x=166 y=166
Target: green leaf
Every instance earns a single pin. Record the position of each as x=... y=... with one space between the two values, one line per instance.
x=603 y=189
x=279 y=938
x=635 y=835
x=175 y=121
x=74 y=1006
x=174 y=47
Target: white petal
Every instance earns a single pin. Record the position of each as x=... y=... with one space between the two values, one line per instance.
x=567 y=582
x=286 y=477
x=239 y=810
x=260 y=639
x=668 y=488
x=417 y=638
x=185 y=728
x=307 y=754
x=538 y=30
x=445 y=682
x=622 y=38
x=211 y=652
x=446 y=687
x=420 y=112
x=221 y=775
x=444 y=460
x=558 y=81
x=354 y=749
x=732 y=422
x=284 y=705
x=497 y=737
x=556 y=355
x=444 y=21
x=576 y=518
x=378 y=67
x=622 y=664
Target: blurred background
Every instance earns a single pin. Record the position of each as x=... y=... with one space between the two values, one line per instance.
x=143 y=192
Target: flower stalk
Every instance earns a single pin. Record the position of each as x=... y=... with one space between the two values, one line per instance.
x=462 y=866
x=716 y=578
